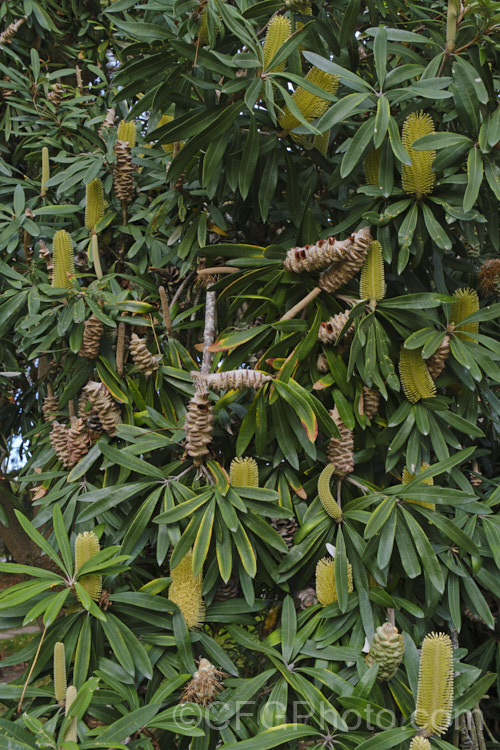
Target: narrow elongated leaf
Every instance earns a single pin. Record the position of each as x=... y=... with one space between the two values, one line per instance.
x=474 y=178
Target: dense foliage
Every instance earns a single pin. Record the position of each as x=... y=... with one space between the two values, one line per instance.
x=168 y=169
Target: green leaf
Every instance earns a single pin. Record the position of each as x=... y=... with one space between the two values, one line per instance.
x=245 y=551
x=38 y=539
x=288 y=628
x=346 y=76
x=397 y=147
x=436 y=232
x=379 y=516
x=122 y=458
x=249 y=159
x=436 y=141
x=473 y=695
x=357 y=146
x=132 y=722
x=380 y=55
x=107 y=497
x=386 y=739
x=268 y=183
x=203 y=538
x=118 y=645
x=301 y=407
x=340 y=111
x=474 y=178
x=427 y=555
x=82 y=654
x=236 y=338
x=62 y=539
x=381 y=120
x=184 y=509
x=274 y=736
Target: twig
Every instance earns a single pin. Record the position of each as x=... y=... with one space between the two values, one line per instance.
x=120 y=349
x=300 y=305
x=391 y=617
x=71 y=409
x=167 y=320
x=20 y=704
x=181 y=287
x=216 y=269
x=209 y=332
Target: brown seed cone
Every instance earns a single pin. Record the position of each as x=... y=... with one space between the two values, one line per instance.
x=9 y=33
x=306 y=597
x=322 y=363
x=341 y=452
x=91 y=338
x=371 y=401
x=437 y=361
x=49 y=408
x=123 y=172
x=98 y=409
x=231 y=379
x=198 y=426
x=329 y=330
x=59 y=441
x=143 y=359
x=78 y=441
x=286 y=528
x=55 y=94
x=475 y=480
x=229 y=590
x=320 y=255
x=349 y=262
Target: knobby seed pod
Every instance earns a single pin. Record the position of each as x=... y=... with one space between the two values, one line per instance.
x=340 y=451
x=205 y=685
x=78 y=441
x=320 y=255
x=489 y=277
x=244 y=472
x=127 y=131
x=55 y=94
x=143 y=359
x=437 y=361
x=386 y=650
x=327 y=500
x=330 y=330
x=98 y=409
x=64 y=262
x=234 y=379
x=278 y=31
x=45 y=170
x=9 y=33
x=372 y=280
x=340 y=273
x=414 y=376
x=371 y=164
x=310 y=105
x=123 y=180
x=72 y=731
x=185 y=591
x=86 y=547
x=94 y=203
x=467 y=302
x=435 y=685
x=326 y=590
x=420 y=743
x=198 y=426
x=407 y=476
x=371 y=402
x=91 y=338
x=60 y=683
x=418 y=177
x=49 y=408
x=286 y=528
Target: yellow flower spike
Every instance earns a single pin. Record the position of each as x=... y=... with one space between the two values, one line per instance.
x=63 y=260
x=278 y=31
x=244 y=472
x=60 y=683
x=45 y=170
x=418 y=177
x=420 y=743
x=310 y=105
x=435 y=684
x=127 y=131
x=372 y=280
x=86 y=546
x=371 y=164
x=467 y=302
x=185 y=591
x=326 y=590
x=94 y=203
x=327 y=500
x=408 y=476
x=72 y=731
x=414 y=375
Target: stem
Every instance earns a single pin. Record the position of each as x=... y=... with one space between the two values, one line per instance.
x=95 y=256
x=19 y=705
x=216 y=269
x=391 y=617
x=209 y=332
x=300 y=305
x=165 y=309
x=180 y=288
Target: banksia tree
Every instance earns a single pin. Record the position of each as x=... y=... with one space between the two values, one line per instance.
x=127 y=132
x=244 y=472
x=467 y=302
x=435 y=685
x=86 y=547
x=372 y=280
x=143 y=359
x=185 y=591
x=63 y=260
x=310 y=105
x=60 y=683
x=278 y=31
x=414 y=375
x=326 y=589
x=94 y=203
x=386 y=650
x=205 y=685
x=72 y=731
x=45 y=170
x=340 y=451
x=91 y=338
x=418 y=177
x=327 y=500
